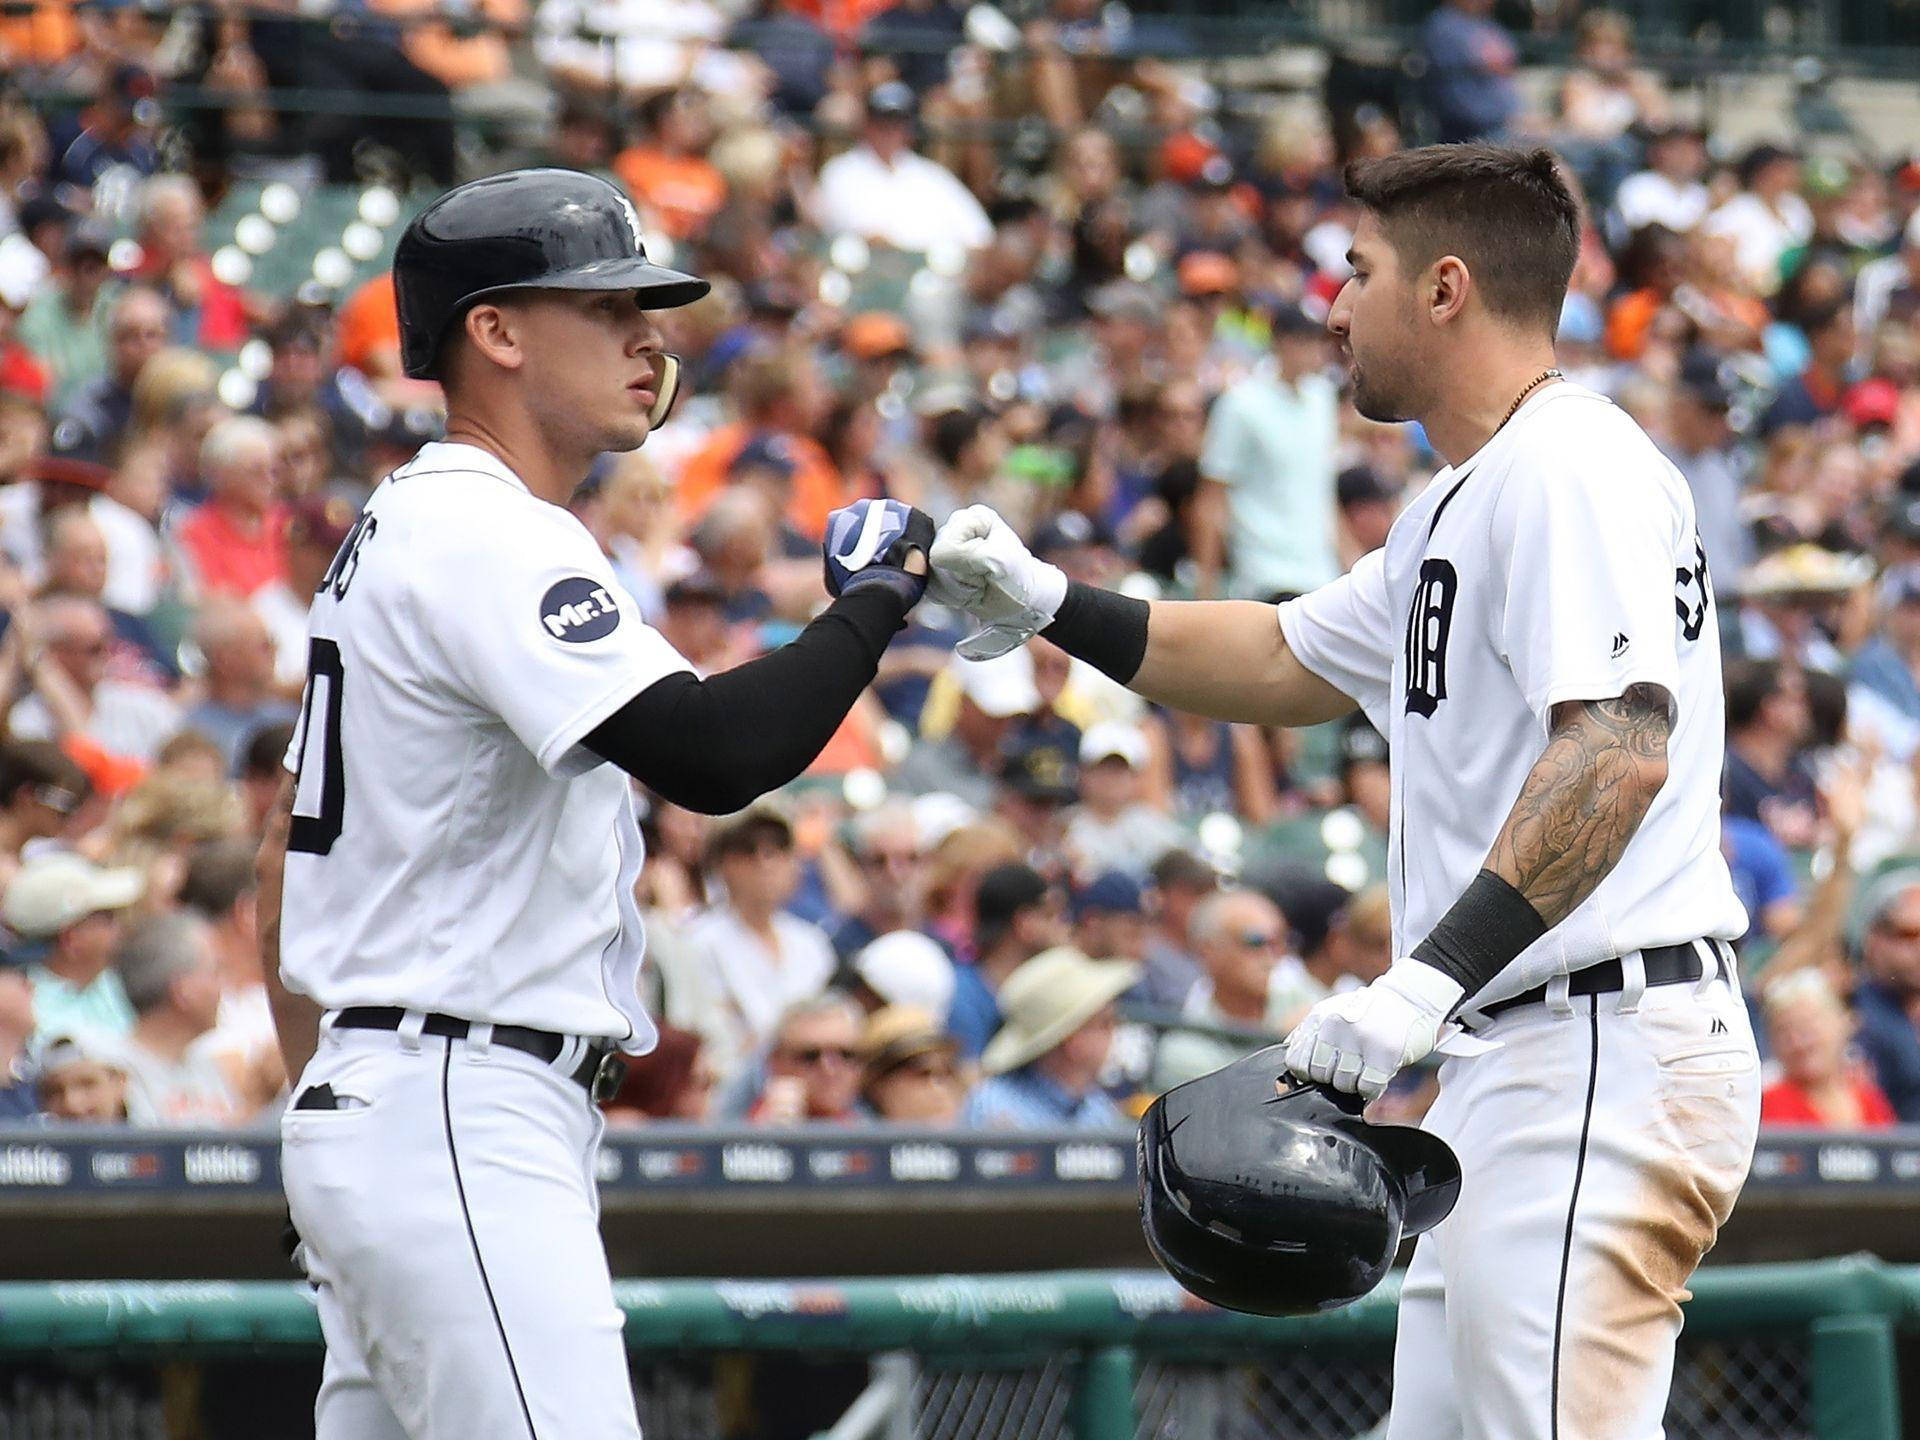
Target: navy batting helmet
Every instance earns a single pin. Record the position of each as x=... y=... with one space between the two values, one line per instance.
x=1282 y=1203
x=525 y=230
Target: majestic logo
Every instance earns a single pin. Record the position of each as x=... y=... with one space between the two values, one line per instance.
x=1620 y=643
x=577 y=610
x=1429 y=619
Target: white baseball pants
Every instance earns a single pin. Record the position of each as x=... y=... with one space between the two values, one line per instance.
x=451 y=1226
x=1603 y=1145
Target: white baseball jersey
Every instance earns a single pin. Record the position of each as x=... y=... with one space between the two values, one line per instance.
x=1560 y=562
x=454 y=847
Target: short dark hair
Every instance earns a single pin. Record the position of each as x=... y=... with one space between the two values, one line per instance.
x=1507 y=213
x=265 y=753
x=1750 y=684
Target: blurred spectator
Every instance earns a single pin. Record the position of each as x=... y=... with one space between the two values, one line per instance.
x=41 y=791
x=667 y=172
x=1602 y=96
x=1267 y=472
x=1113 y=828
x=1766 y=218
x=19 y=1096
x=761 y=958
x=910 y=1069
x=885 y=844
x=207 y=311
x=813 y=1064
x=71 y=693
x=77 y=564
x=237 y=541
x=1821 y=1084
x=1888 y=665
x=1887 y=998
x=1240 y=937
x=1368 y=506
x=1039 y=779
x=115 y=132
x=1208 y=766
x=1470 y=62
x=967 y=849
x=776 y=398
x=1017 y=914
x=1110 y=918
x=173 y=983
x=1671 y=191
x=1044 y=1062
x=883 y=191
x=994 y=695
x=219 y=888
x=1820 y=388
x=66 y=324
x=82 y=1081
x=138 y=324
x=1767 y=724
x=1181 y=881
x=66 y=916
x=240 y=697
x=904 y=968
x=1887 y=288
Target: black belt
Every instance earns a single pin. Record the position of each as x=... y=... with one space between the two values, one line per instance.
x=1664 y=965
x=599 y=1072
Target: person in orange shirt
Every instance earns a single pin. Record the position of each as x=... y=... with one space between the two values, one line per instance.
x=667 y=174
x=369 y=330
x=773 y=394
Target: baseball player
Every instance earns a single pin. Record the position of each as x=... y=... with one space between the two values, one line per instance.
x=1537 y=640
x=450 y=887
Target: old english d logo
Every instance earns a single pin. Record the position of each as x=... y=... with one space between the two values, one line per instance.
x=1428 y=620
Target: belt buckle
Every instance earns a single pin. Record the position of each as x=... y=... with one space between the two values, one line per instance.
x=607 y=1077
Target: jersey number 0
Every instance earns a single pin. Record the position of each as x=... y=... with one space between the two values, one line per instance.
x=314 y=834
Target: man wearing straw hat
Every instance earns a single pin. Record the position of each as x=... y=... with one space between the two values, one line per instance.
x=1044 y=1063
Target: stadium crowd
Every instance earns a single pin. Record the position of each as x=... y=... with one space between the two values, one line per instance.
x=1008 y=894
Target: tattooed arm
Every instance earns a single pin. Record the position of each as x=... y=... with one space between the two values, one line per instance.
x=296 y=1019
x=1580 y=805
x=1585 y=798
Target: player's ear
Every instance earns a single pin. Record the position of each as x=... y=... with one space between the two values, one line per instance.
x=493 y=331
x=1448 y=283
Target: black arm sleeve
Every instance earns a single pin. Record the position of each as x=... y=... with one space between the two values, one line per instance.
x=716 y=745
x=1106 y=629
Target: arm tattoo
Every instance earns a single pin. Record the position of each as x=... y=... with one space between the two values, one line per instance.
x=1585 y=798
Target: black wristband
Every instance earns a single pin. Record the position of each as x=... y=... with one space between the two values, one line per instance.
x=1480 y=935
x=1102 y=627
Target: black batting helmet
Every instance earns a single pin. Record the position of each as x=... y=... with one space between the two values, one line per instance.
x=524 y=230
x=1282 y=1203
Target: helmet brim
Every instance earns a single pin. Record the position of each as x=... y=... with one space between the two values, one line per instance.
x=658 y=287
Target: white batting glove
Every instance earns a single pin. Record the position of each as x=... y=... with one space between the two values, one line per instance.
x=980 y=565
x=1357 y=1041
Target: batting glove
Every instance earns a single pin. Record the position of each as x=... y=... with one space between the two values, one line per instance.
x=981 y=566
x=1357 y=1041
x=869 y=543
